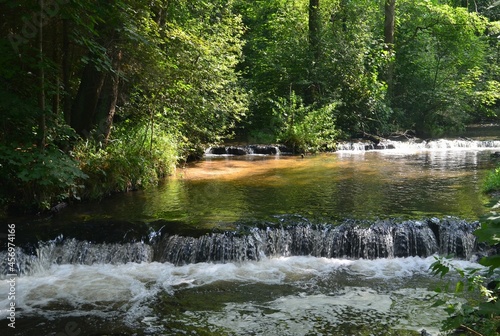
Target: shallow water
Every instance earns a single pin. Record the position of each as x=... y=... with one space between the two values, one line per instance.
x=220 y=191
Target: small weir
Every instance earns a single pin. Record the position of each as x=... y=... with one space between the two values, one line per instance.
x=248 y=150
x=440 y=144
x=349 y=240
x=361 y=146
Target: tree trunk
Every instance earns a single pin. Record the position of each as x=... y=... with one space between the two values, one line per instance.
x=314 y=29
x=42 y=128
x=314 y=48
x=390 y=13
x=85 y=104
x=390 y=7
x=106 y=107
x=66 y=72
x=55 y=58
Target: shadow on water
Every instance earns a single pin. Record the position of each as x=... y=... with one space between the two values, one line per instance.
x=217 y=192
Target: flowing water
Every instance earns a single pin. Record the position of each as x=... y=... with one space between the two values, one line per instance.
x=331 y=244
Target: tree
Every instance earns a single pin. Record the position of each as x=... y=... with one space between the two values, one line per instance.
x=314 y=25
x=440 y=56
x=390 y=13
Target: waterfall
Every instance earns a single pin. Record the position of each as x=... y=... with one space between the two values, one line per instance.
x=351 y=239
x=72 y=251
x=439 y=144
x=247 y=150
x=382 y=239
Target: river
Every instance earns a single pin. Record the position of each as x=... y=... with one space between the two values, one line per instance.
x=249 y=245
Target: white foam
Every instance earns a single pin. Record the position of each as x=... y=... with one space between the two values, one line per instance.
x=412 y=146
x=127 y=289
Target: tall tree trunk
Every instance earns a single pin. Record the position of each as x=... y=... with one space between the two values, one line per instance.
x=314 y=29
x=107 y=102
x=66 y=72
x=390 y=14
x=85 y=104
x=56 y=60
x=314 y=48
x=42 y=128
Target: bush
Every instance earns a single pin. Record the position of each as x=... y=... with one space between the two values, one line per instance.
x=35 y=179
x=137 y=156
x=477 y=310
x=305 y=129
x=492 y=181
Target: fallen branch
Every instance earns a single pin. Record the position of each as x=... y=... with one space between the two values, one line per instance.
x=470 y=330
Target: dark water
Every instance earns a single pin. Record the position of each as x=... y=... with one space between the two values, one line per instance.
x=106 y=279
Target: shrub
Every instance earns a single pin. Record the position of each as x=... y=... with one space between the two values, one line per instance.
x=137 y=156
x=37 y=179
x=477 y=309
x=492 y=181
x=305 y=129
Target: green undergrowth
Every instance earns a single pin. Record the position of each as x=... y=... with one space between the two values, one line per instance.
x=492 y=182
x=137 y=156
x=474 y=307
x=306 y=128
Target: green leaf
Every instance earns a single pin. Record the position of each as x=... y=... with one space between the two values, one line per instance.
x=489 y=232
x=438 y=303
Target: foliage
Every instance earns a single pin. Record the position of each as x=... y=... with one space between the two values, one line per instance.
x=305 y=129
x=137 y=156
x=440 y=52
x=492 y=181
x=201 y=70
x=354 y=61
x=36 y=179
x=168 y=67
x=347 y=68
x=275 y=57
x=475 y=306
x=188 y=75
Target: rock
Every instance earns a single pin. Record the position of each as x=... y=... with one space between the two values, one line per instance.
x=236 y=151
x=265 y=150
x=58 y=207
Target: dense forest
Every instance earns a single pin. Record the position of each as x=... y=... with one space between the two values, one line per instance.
x=105 y=96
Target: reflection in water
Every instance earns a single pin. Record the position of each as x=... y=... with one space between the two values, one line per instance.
x=333 y=186
x=216 y=192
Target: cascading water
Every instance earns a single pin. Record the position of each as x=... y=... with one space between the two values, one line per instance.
x=349 y=240
x=380 y=240
x=384 y=144
x=440 y=144
x=101 y=279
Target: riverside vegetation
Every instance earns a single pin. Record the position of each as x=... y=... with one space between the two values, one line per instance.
x=109 y=96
